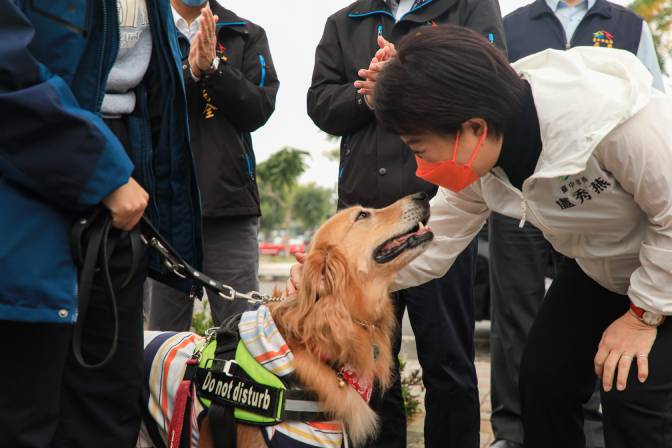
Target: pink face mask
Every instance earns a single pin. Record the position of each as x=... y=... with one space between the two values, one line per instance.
x=448 y=173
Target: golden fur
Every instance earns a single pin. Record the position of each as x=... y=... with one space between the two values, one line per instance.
x=342 y=284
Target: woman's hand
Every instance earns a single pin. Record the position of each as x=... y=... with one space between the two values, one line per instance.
x=203 y=47
x=626 y=339
x=126 y=204
x=295 y=274
x=370 y=75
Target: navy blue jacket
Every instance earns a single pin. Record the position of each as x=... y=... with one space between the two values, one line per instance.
x=57 y=157
x=534 y=28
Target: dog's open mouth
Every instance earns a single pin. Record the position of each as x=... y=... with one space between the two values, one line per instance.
x=395 y=246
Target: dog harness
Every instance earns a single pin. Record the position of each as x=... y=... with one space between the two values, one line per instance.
x=257 y=376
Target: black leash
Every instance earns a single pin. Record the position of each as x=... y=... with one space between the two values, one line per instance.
x=93 y=245
x=176 y=264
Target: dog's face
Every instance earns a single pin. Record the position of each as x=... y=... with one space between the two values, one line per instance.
x=378 y=242
x=348 y=270
x=356 y=253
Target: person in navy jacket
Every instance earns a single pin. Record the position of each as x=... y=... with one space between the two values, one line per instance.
x=70 y=139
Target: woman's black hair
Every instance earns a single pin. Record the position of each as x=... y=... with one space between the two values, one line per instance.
x=443 y=76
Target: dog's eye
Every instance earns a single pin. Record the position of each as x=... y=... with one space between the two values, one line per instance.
x=362 y=215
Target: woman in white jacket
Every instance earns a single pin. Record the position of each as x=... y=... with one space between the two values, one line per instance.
x=579 y=144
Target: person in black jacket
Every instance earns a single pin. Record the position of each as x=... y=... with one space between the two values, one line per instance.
x=376 y=168
x=232 y=97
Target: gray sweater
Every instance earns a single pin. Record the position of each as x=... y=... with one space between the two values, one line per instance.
x=135 y=51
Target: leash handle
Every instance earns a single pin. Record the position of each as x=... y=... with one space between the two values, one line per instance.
x=97 y=250
x=91 y=250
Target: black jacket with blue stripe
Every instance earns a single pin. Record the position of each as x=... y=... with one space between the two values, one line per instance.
x=376 y=167
x=224 y=108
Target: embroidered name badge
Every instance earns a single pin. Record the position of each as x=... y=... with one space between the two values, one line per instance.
x=210 y=109
x=603 y=38
x=233 y=391
x=578 y=190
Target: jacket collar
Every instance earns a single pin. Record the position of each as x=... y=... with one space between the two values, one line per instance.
x=423 y=11
x=365 y=8
x=228 y=19
x=540 y=8
x=555 y=4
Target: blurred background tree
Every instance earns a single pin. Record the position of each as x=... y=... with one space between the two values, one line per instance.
x=311 y=205
x=658 y=13
x=276 y=177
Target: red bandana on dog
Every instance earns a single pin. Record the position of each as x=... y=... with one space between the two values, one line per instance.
x=361 y=385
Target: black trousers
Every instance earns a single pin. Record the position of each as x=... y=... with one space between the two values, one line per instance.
x=557 y=373
x=441 y=313
x=230 y=255
x=519 y=261
x=49 y=401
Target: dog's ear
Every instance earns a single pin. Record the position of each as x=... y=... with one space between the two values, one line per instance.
x=325 y=273
x=326 y=298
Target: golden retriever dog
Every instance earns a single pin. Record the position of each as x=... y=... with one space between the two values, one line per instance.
x=342 y=313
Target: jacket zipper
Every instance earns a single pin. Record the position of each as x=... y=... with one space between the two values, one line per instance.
x=523 y=202
x=101 y=91
x=576 y=31
x=568 y=42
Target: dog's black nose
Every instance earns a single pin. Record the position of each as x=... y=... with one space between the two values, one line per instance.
x=420 y=196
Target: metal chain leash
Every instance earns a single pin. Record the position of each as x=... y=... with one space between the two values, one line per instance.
x=183 y=270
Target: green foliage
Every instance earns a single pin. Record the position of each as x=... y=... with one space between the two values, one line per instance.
x=201 y=320
x=273 y=210
x=277 y=176
x=411 y=389
x=281 y=171
x=311 y=205
x=658 y=13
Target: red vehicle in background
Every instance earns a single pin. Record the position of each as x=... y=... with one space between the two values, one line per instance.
x=296 y=245
x=282 y=246
x=274 y=248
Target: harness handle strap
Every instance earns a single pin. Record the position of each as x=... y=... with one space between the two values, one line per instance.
x=179 y=428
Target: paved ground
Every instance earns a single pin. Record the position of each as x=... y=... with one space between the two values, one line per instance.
x=273 y=274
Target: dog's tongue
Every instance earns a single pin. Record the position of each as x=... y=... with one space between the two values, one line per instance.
x=402 y=239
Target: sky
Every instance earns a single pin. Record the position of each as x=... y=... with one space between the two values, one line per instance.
x=294 y=28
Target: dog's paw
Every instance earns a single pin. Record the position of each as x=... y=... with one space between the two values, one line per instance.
x=360 y=421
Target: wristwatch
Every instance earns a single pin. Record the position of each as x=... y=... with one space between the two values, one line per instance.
x=648 y=317
x=214 y=65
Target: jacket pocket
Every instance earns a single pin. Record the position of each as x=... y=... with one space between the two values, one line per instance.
x=344 y=157
x=262 y=70
x=250 y=160
x=71 y=14
x=358 y=179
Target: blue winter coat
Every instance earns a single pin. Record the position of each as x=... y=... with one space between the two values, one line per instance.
x=58 y=158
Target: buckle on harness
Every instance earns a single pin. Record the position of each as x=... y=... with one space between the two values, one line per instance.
x=226 y=366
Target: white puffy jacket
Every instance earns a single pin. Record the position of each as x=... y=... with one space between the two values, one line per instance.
x=601 y=192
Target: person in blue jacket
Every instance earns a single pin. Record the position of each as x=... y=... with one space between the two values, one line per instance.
x=93 y=112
